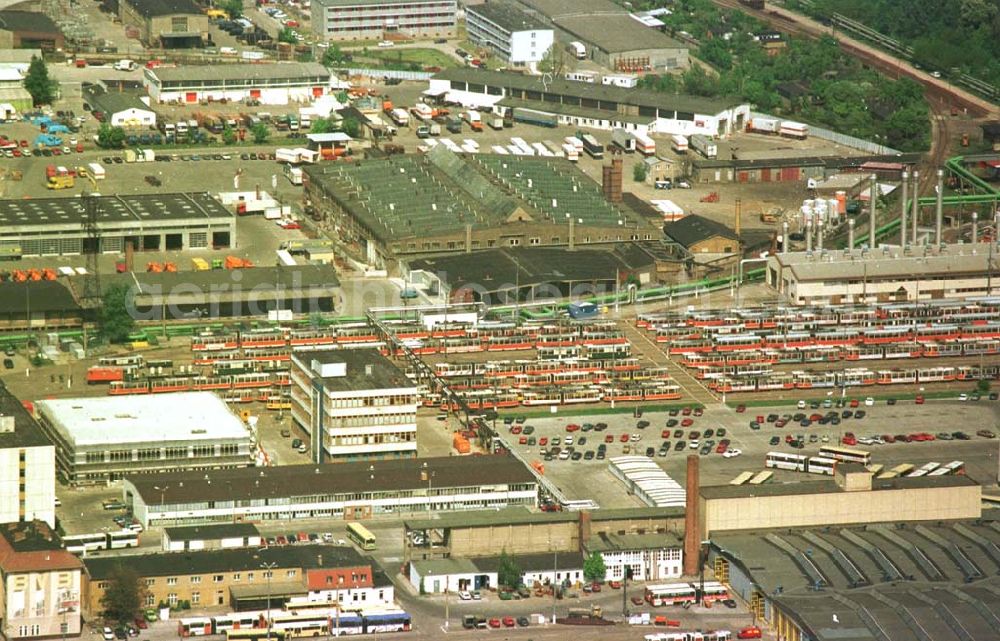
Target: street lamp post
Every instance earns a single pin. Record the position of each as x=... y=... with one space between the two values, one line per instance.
x=268 y=567
x=163 y=492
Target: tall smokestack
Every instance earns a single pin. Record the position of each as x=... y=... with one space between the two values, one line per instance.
x=809 y=235
x=692 y=533
x=975 y=227
x=939 y=207
x=916 y=205
x=850 y=233
x=819 y=235
x=872 y=199
x=739 y=211
x=784 y=237
x=902 y=211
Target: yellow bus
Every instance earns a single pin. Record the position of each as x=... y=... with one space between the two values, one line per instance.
x=255 y=634
x=361 y=536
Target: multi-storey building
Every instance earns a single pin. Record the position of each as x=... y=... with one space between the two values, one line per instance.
x=354 y=403
x=39 y=583
x=650 y=557
x=366 y=19
x=513 y=35
x=27 y=466
x=102 y=439
x=206 y=578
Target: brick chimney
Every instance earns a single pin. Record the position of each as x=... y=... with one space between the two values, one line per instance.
x=612 y=180
x=692 y=533
x=584 y=528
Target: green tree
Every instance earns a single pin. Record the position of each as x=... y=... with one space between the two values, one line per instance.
x=555 y=61
x=260 y=133
x=37 y=82
x=322 y=126
x=593 y=567
x=508 y=573
x=350 y=126
x=333 y=56
x=125 y=594
x=233 y=7
x=228 y=136
x=287 y=34
x=110 y=137
x=639 y=171
x=983 y=386
x=116 y=321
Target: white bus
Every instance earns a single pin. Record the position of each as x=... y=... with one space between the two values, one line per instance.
x=955 y=467
x=84 y=543
x=845 y=454
x=670 y=594
x=925 y=469
x=194 y=627
x=900 y=470
x=800 y=463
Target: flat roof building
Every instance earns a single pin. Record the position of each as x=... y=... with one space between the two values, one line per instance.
x=106 y=438
x=514 y=36
x=351 y=491
x=255 y=291
x=354 y=404
x=378 y=19
x=441 y=202
x=38 y=304
x=27 y=465
x=882 y=275
x=270 y=84
x=211 y=537
x=156 y=222
x=592 y=105
x=613 y=37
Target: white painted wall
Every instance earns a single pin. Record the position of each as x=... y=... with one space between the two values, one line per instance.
x=40 y=484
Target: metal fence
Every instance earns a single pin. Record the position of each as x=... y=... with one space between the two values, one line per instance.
x=386 y=73
x=841 y=139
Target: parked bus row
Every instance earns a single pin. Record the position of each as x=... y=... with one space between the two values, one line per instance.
x=307 y=622
x=685 y=593
x=493 y=398
x=82 y=544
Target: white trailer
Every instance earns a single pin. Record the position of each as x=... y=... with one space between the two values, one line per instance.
x=572 y=153
x=523 y=145
x=97 y=171
x=644 y=144
x=576 y=142
x=577 y=49
x=423 y=111
x=679 y=144
x=703 y=145
x=791 y=129
x=500 y=151
x=556 y=150
x=400 y=117
x=764 y=125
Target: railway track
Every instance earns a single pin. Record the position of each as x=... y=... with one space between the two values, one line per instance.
x=651 y=350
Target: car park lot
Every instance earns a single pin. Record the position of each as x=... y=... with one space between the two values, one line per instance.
x=587 y=477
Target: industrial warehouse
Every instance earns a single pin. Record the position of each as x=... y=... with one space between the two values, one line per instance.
x=350 y=491
x=613 y=38
x=442 y=202
x=269 y=84
x=596 y=106
x=68 y=226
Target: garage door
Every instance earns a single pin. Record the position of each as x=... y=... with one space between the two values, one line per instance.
x=317 y=92
x=765 y=175
x=790 y=173
x=742 y=176
x=255 y=94
x=191 y=96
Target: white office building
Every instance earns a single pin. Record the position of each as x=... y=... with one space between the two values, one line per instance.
x=270 y=84
x=651 y=557
x=102 y=439
x=354 y=403
x=511 y=34
x=27 y=466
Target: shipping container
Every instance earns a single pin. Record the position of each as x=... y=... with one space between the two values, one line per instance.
x=679 y=144
x=791 y=129
x=532 y=117
x=703 y=145
x=623 y=140
x=644 y=144
x=764 y=125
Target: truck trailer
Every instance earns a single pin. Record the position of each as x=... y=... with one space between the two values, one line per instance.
x=623 y=140
x=704 y=146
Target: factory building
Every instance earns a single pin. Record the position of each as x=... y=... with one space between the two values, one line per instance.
x=883 y=580
x=29 y=30
x=461 y=574
x=648 y=557
x=350 y=491
x=27 y=466
x=378 y=19
x=613 y=38
x=515 y=37
x=886 y=274
x=120 y=109
x=167 y=24
x=591 y=105
x=155 y=222
x=269 y=84
x=104 y=439
x=39 y=304
x=40 y=583
x=441 y=202
x=852 y=496
x=354 y=404
x=518 y=531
